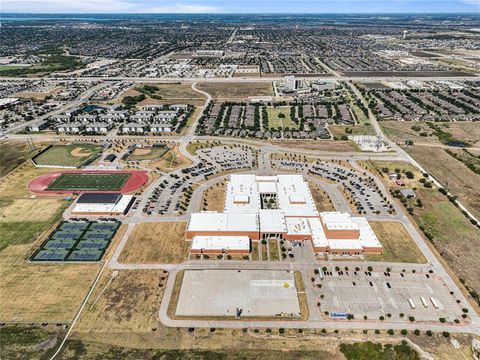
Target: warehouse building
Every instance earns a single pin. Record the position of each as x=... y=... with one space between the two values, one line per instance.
x=102 y=204
x=277 y=207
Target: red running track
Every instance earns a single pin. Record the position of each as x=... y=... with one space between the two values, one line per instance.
x=136 y=180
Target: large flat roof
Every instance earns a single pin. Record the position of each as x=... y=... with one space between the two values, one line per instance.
x=272 y=221
x=214 y=221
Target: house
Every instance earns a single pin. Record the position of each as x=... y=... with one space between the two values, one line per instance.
x=70 y=128
x=161 y=127
x=98 y=127
x=408 y=193
x=60 y=118
x=37 y=127
x=86 y=118
x=179 y=107
x=165 y=115
x=133 y=128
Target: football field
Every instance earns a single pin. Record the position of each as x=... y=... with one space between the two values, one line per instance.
x=88 y=181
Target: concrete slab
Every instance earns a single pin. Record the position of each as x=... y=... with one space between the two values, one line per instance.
x=221 y=292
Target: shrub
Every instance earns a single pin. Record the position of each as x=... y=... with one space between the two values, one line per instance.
x=404 y=332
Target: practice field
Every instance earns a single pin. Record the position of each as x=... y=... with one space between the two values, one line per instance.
x=74 y=155
x=151 y=153
x=64 y=182
x=228 y=292
x=77 y=241
x=107 y=182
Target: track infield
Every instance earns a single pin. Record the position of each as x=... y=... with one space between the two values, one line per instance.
x=67 y=182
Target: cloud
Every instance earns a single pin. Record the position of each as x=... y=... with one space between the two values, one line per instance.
x=103 y=6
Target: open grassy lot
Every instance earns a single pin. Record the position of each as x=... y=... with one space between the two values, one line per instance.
x=87 y=181
x=12 y=154
x=171 y=93
x=214 y=198
x=461 y=181
x=318 y=145
x=279 y=118
x=29 y=342
x=68 y=155
x=369 y=350
x=339 y=130
x=171 y=160
x=162 y=242
x=397 y=244
x=399 y=131
x=38 y=209
x=152 y=153
x=44 y=293
x=236 y=90
x=452 y=234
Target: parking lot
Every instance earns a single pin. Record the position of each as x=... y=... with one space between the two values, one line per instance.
x=238 y=292
x=373 y=294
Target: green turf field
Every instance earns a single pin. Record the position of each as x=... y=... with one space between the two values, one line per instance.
x=86 y=181
x=155 y=153
x=276 y=122
x=68 y=155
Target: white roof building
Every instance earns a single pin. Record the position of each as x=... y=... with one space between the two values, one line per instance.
x=282 y=206
x=232 y=244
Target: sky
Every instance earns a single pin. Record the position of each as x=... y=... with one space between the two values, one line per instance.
x=239 y=6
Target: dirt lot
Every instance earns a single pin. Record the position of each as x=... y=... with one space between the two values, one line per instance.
x=214 y=198
x=397 y=244
x=461 y=181
x=318 y=145
x=162 y=242
x=236 y=90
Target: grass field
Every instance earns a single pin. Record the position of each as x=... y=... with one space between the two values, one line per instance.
x=68 y=155
x=399 y=131
x=171 y=160
x=461 y=181
x=397 y=244
x=273 y=250
x=153 y=153
x=181 y=93
x=86 y=181
x=452 y=234
x=278 y=122
x=236 y=90
x=369 y=350
x=339 y=130
x=12 y=154
x=320 y=197
x=318 y=145
x=162 y=242
x=214 y=198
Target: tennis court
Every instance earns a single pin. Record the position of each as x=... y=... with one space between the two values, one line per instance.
x=89 y=181
x=77 y=241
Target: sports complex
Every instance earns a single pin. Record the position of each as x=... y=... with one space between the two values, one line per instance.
x=66 y=182
x=77 y=241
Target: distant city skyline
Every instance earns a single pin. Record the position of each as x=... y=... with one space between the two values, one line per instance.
x=241 y=6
